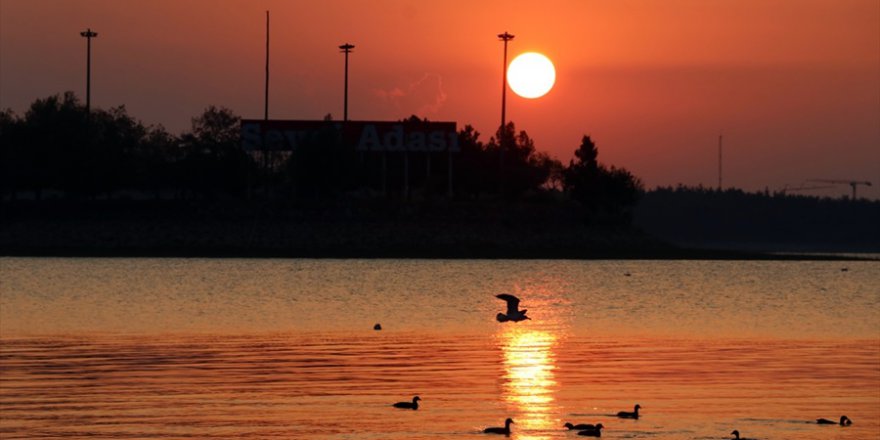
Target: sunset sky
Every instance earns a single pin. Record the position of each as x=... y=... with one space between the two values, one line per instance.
x=794 y=85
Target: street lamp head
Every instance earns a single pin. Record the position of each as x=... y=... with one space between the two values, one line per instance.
x=505 y=36
x=88 y=33
x=347 y=47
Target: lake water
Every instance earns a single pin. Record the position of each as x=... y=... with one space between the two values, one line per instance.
x=238 y=348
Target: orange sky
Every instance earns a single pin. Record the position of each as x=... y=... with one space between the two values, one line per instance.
x=793 y=84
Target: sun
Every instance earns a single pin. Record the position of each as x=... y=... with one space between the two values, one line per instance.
x=531 y=75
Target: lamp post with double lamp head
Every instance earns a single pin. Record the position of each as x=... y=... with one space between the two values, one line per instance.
x=505 y=37
x=88 y=34
x=346 y=48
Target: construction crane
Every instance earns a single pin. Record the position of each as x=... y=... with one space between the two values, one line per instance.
x=787 y=188
x=852 y=183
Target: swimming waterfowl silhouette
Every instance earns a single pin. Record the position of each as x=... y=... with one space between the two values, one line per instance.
x=409 y=405
x=495 y=430
x=513 y=312
x=596 y=431
x=377 y=326
x=630 y=415
x=579 y=426
x=735 y=433
x=844 y=421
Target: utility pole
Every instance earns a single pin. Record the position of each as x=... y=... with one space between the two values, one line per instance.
x=505 y=37
x=719 y=161
x=266 y=109
x=88 y=34
x=346 y=48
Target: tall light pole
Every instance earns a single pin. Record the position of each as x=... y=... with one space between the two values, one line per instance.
x=720 y=157
x=505 y=37
x=88 y=34
x=266 y=100
x=346 y=48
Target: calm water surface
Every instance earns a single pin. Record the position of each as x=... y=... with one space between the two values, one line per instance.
x=201 y=348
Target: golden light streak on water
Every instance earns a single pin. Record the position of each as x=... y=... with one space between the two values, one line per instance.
x=529 y=382
x=233 y=349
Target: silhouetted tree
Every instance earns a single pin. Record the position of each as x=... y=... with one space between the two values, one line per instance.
x=601 y=190
x=425 y=167
x=13 y=163
x=556 y=179
x=622 y=191
x=114 y=139
x=781 y=221
x=217 y=129
x=522 y=167
x=156 y=162
x=57 y=146
x=56 y=153
x=582 y=178
x=214 y=160
x=472 y=164
x=321 y=165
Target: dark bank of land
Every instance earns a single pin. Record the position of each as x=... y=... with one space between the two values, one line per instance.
x=366 y=229
x=547 y=229
x=80 y=182
x=702 y=218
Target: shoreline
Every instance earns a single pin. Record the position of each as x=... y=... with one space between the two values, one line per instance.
x=678 y=254
x=362 y=229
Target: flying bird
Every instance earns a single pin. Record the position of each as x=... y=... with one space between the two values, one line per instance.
x=495 y=430
x=513 y=312
x=414 y=405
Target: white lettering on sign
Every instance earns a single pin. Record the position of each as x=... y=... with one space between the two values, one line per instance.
x=398 y=140
x=369 y=139
x=378 y=137
x=251 y=139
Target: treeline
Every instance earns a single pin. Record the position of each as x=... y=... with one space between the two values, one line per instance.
x=732 y=218
x=58 y=150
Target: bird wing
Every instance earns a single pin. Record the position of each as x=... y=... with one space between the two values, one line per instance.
x=512 y=302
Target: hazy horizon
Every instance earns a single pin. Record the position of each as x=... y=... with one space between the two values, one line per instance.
x=794 y=86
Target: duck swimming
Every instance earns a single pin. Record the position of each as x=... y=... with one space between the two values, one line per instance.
x=595 y=432
x=505 y=430
x=630 y=415
x=513 y=312
x=580 y=426
x=414 y=405
x=735 y=433
x=844 y=421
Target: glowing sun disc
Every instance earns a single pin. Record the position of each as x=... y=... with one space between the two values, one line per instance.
x=531 y=75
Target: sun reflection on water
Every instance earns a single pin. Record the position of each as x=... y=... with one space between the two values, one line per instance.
x=529 y=384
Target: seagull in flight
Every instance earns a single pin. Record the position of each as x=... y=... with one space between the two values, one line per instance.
x=513 y=312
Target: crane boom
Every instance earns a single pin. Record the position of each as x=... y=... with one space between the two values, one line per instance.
x=852 y=183
x=787 y=188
